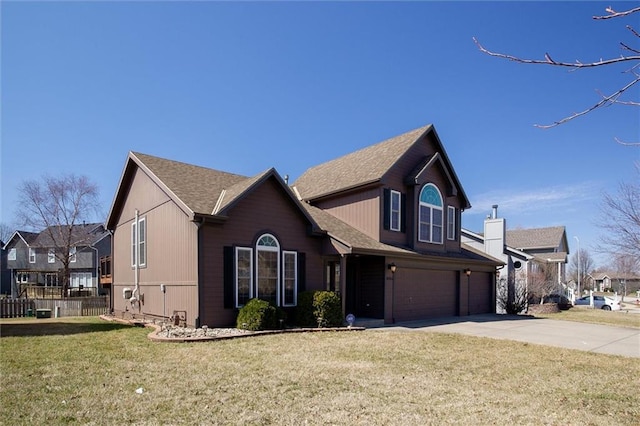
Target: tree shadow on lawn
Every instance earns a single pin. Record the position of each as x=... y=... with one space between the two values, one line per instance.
x=40 y=327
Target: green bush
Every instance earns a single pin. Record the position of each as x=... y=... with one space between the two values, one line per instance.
x=258 y=315
x=303 y=314
x=318 y=309
x=327 y=309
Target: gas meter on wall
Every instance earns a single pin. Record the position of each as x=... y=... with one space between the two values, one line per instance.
x=127 y=293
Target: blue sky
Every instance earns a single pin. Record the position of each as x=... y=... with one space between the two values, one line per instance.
x=246 y=86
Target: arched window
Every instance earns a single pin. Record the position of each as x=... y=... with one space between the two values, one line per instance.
x=430 y=215
x=265 y=272
x=268 y=268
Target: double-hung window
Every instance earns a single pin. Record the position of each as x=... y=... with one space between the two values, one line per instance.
x=12 y=254
x=73 y=254
x=51 y=255
x=32 y=255
x=395 y=210
x=139 y=243
x=430 y=215
x=451 y=223
x=244 y=277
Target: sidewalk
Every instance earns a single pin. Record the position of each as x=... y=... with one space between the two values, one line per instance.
x=596 y=338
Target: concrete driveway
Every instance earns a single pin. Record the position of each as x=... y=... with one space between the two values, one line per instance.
x=596 y=338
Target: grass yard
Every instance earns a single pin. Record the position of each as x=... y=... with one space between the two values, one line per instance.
x=596 y=316
x=85 y=371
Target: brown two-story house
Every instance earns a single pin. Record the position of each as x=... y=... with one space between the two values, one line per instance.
x=381 y=226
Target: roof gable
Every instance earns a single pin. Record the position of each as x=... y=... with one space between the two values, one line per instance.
x=371 y=165
x=28 y=238
x=358 y=168
x=195 y=189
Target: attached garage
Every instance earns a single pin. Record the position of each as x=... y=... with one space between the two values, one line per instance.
x=482 y=298
x=420 y=293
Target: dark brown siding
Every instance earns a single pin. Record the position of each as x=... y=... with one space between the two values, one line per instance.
x=265 y=210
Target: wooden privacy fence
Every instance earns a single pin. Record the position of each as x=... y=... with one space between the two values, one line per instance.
x=79 y=306
x=16 y=308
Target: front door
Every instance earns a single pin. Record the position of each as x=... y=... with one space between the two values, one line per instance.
x=365 y=286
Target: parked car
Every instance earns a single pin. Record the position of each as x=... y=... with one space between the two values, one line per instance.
x=599 y=302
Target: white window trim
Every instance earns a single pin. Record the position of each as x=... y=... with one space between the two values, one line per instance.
x=51 y=255
x=12 y=254
x=142 y=243
x=398 y=212
x=260 y=248
x=451 y=223
x=139 y=245
x=250 y=250
x=295 y=277
x=73 y=254
x=134 y=245
x=32 y=255
x=431 y=207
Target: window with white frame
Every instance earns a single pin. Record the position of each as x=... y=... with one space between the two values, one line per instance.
x=395 y=210
x=267 y=268
x=451 y=223
x=51 y=280
x=51 y=255
x=267 y=273
x=32 y=255
x=81 y=280
x=289 y=278
x=430 y=215
x=244 y=276
x=139 y=243
x=73 y=254
x=12 y=254
x=22 y=277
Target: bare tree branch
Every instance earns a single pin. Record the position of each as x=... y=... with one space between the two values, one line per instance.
x=614 y=14
x=605 y=101
x=549 y=61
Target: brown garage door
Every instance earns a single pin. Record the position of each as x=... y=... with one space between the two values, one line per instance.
x=481 y=293
x=422 y=294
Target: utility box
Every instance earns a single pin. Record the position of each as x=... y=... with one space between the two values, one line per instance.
x=43 y=313
x=127 y=293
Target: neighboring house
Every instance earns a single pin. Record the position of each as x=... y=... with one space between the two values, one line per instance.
x=36 y=270
x=381 y=226
x=523 y=251
x=613 y=281
x=5 y=274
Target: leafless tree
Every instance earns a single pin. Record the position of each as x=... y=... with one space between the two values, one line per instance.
x=6 y=231
x=55 y=205
x=587 y=265
x=630 y=55
x=542 y=281
x=620 y=220
x=512 y=295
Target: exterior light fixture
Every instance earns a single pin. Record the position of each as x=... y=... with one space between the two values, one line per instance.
x=392 y=267
x=467 y=272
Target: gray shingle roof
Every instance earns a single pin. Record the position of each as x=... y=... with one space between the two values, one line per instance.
x=198 y=187
x=84 y=234
x=358 y=168
x=537 y=238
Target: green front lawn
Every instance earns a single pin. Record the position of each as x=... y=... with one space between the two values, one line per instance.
x=85 y=371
